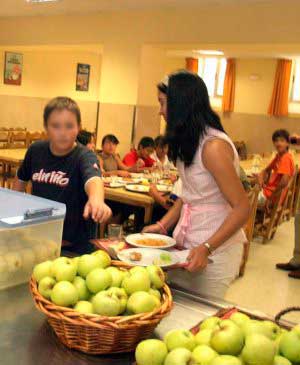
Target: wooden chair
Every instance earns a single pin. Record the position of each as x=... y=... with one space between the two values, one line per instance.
x=18 y=139
x=34 y=136
x=267 y=222
x=288 y=210
x=249 y=226
x=4 y=139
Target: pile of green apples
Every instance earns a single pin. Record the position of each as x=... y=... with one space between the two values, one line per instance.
x=235 y=341
x=90 y=285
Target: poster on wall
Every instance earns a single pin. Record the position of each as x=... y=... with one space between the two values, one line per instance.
x=83 y=77
x=13 y=68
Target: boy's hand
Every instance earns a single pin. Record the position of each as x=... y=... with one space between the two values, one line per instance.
x=97 y=210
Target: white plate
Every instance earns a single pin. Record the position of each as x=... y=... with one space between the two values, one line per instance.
x=138 y=188
x=164 y=188
x=133 y=239
x=116 y=184
x=149 y=255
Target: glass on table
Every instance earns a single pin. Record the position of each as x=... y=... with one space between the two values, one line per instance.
x=114 y=231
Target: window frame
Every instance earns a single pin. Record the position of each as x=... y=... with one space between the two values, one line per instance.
x=292 y=82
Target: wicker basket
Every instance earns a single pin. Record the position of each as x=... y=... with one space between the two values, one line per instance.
x=95 y=334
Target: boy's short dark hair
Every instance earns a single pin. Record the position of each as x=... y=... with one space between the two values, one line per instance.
x=110 y=138
x=160 y=141
x=62 y=103
x=146 y=142
x=281 y=133
x=85 y=137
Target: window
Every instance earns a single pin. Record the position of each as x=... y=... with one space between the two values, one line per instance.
x=295 y=89
x=212 y=70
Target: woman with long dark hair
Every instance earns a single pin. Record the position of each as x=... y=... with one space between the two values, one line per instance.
x=213 y=206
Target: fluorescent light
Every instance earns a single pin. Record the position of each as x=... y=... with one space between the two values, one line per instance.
x=42 y=1
x=210 y=52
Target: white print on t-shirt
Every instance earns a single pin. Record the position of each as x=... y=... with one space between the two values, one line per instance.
x=53 y=177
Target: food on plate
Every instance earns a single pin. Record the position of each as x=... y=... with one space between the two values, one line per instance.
x=153 y=242
x=164 y=259
x=135 y=256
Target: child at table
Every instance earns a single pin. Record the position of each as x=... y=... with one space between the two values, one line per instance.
x=87 y=139
x=63 y=170
x=142 y=156
x=160 y=155
x=275 y=177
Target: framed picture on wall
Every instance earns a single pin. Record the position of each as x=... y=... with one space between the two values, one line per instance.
x=83 y=77
x=13 y=67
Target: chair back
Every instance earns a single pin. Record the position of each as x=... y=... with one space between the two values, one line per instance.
x=18 y=139
x=4 y=139
x=34 y=136
x=253 y=201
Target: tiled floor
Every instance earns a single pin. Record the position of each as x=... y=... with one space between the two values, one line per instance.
x=263 y=287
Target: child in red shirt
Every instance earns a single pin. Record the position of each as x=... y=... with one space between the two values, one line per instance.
x=141 y=156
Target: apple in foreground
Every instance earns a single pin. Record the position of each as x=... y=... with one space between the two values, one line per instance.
x=239 y=318
x=84 y=306
x=227 y=338
x=141 y=302
x=45 y=286
x=178 y=356
x=157 y=276
x=88 y=263
x=289 y=346
x=210 y=323
x=106 y=304
x=151 y=352
x=258 y=350
x=203 y=337
x=80 y=285
x=155 y=292
x=56 y=263
x=203 y=355
x=64 y=294
x=42 y=270
x=120 y=293
x=104 y=258
x=138 y=281
x=65 y=271
x=180 y=338
x=98 y=279
x=117 y=276
x=137 y=269
x=226 y=360
x=257 y=327
x=280 y=360
x=274 y=328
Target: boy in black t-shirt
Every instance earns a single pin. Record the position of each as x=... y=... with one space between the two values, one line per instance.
x=63 y=170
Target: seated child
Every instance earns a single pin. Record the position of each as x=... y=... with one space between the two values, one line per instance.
x=142 y=156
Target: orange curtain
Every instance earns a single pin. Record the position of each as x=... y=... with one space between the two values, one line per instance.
x=229 y=86
x=192 y=64
x=280 y=97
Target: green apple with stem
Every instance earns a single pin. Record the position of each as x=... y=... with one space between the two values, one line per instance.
x=45 y=286
x=203 y=355
x=289 y=346
x=151 y=352
x=178 y=356
x=157 y=276
x=98 y=279
x=64 y=294
x=57 y=262
x=84 y=306
x=42 y=270
x=80 y=285
x=106 y=304
x=138 y=269
x=14 y=261
x=65 y=271
x=203 y=337
x=117 y=276
x=88 y=263
x=280 y=360
x=226 y=360
x=239 y=319
x=141 y=302
x=180 y=338
x=274 y=328
x=258 y=350
x=210 y=323
x=120 y=293
x=137 y=281
x=104 y=258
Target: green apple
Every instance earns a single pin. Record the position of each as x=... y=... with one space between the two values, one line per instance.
x=257 y=327
x=226 y=360
x=84 y=306
x=258 y=350
x=137 y=281
x=80 y=285
x=88 y=263
x=141 y=302
x=28 y=259
x=151 y=352
x=75 y=262
x=4 y=274
x=42 y=270
x=14 y=261
x=180 y=338
x=137 y=269
x=240 y=318
x=120 y=293
x=274 y=328
x=41 y=253
x=203 y=337
x=65 y=271
x=203 y=355
x=280 y=360
x=45 y=286
x=104 y=258
x=64 y=294
x=117 y=276
x=178 y=356
x=210 y=323
x=53 y=249
x=106 y=304
x=296 y=328
x=98 y=279
x=289 y=346
x=157 y=276
x=155 y=292
x=57 y=262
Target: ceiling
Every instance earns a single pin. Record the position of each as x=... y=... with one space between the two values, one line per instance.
x=62 y=7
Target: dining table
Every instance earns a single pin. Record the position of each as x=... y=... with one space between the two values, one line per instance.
x=10 y=158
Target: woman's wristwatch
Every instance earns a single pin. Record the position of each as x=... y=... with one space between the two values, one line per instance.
x=209 y=248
